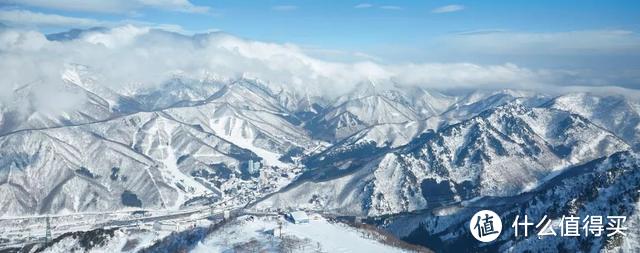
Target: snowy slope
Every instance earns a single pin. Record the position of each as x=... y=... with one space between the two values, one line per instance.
x=606 y=186
x=370 y=104
x=391 y=135
x=500 y=152
x=87 y=100
x=428 y=103
x=242 y=234
x=163 y=162
x=477 y=101
x=353 y=115
x=253 y=234
x=250 y=117
x=29 y=110
x=44 y=173
x=617 y=113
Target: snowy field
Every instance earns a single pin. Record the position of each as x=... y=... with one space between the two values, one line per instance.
x=246 y=233
x=122 y=241
x=259 y=234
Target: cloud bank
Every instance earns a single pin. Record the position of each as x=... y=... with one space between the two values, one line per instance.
x=114 y=6
x=130 y=58
x=127 y=55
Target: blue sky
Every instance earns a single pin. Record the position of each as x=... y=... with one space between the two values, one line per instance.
x=597 y=36
x=339 y=24
x=356 y=25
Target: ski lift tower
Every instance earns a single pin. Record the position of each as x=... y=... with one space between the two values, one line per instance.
x=47 y=235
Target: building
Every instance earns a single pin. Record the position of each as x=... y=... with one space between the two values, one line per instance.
x=253 y=167
x=165 y=226
x=298 y=217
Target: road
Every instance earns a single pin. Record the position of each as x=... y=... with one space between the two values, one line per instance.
x=19 y=231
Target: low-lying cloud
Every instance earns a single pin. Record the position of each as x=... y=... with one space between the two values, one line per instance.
x=129 y=58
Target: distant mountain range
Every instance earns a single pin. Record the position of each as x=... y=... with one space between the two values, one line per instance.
x=379 y=151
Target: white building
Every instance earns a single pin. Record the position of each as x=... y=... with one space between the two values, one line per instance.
x=253 y=167
x=298 y=217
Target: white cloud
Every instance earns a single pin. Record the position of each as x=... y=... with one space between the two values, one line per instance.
x=133 y=57
x=337 y=55
x=16 y=41
x=589 y=42
x=115 y=6
x=117 y=37
x=284 y=8
x=448 y=8
x=363 y=6
x=29 y=18
x=177 y=5
x=130 y=58
x=391 y=7
x=470 y=75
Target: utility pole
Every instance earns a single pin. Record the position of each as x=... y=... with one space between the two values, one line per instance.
x=47 y=235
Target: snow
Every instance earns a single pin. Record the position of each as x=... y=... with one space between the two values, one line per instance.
x=337 y=237
x=329 y=236
x=394 y=135
x=517 y=142
x=632 y=240
x=138 y=240
x=171 y=172
x=235 y=130
x=518 y=146
x=299 y=217
x=323 y=195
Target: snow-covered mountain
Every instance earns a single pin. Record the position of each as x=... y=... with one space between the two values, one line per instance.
x=133 y=126
x=380 y=150
x=617 y=113
x=475 y=102
x=31 y=109
x=344 y=119
x=83 y=99
x=143 y=160
x=249 y=116
x=161 y=159
x=501 y=152
x=369 y=105
x=605 y=186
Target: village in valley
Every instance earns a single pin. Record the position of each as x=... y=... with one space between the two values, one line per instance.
x=216 y=230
